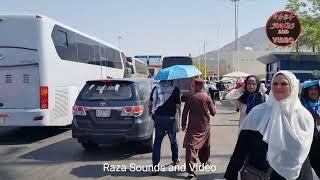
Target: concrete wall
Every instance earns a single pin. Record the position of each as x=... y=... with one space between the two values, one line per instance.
x=248 y=63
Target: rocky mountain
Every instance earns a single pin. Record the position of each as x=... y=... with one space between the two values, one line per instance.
x=256 y=40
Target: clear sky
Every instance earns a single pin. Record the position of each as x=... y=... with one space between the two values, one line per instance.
x=154 y=27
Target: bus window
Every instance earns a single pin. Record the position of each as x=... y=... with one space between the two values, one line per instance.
x=97 y=54
x=65 y=43
x=85 y=49
x=124 y=60
x=61 y=38
x=117 y=60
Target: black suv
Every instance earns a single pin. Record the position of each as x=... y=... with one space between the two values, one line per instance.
x=113 y=111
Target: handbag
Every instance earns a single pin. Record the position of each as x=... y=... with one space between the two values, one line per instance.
x=250 y=173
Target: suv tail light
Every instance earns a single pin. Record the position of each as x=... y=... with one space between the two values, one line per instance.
x=132 y=111
x=79 y=111
x=44 y=97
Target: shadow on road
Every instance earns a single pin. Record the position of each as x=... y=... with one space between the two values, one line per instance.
x=69 y=150
x=26 y=135
x=5 y=173
x=224 y=125
x=96 y=171
x=211 y=176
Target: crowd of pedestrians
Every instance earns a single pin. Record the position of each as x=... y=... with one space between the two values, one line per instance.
x=279 y=127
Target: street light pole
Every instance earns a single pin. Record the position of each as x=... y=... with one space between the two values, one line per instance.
x=119 y=37
x=218 y=52
x=236 y=24
x=205 y=60
x=238 y=41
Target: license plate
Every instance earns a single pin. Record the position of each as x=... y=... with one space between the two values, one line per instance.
x=103 y=113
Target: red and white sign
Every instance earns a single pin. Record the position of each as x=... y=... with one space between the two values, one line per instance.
x=283 y=28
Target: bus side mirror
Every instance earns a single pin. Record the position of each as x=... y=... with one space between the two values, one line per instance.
x=129 y=59
x=127 y=73
x=131 y=68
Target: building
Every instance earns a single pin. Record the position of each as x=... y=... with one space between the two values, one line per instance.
x=305 y=65
x=248 y=63
x=151 y=60
x=154 y=63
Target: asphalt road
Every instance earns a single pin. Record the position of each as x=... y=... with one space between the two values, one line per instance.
x=47 y=153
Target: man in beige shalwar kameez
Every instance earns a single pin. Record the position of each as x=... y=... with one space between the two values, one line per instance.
x=197 y=138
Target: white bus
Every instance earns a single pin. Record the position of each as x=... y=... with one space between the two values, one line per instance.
x=43 y=66
x=140 y=69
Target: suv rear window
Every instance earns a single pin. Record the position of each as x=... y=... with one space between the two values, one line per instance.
x=107 y=91
x=171 y=61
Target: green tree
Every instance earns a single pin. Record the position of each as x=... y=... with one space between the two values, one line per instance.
x=309 y=13
x=201 y=67
x=296 y=6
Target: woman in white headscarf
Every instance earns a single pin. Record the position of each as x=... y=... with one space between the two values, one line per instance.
x=276 y=136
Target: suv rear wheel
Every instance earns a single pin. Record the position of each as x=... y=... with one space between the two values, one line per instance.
x=89 y=145
x=148 y=144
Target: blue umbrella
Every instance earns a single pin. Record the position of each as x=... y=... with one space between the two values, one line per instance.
x=178 y=72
